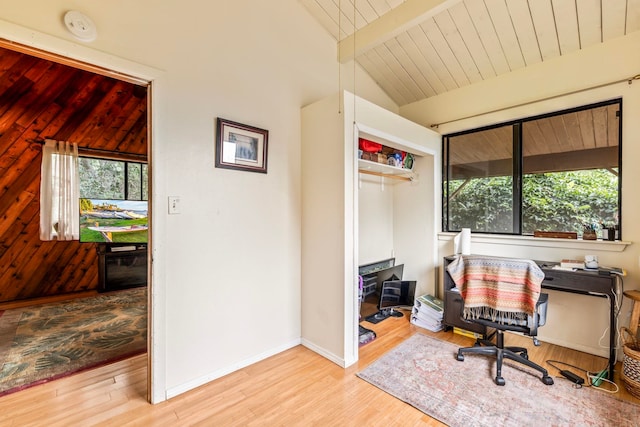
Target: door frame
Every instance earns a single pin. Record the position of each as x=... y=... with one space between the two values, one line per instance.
x=27 y=41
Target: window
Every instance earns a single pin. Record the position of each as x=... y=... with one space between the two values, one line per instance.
x=557 y=172
x=113 y=201
x=113 y=179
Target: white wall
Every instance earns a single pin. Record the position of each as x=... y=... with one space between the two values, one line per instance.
x=415 y=222
x=325 y=243
x=575 y=321
x=375 y=220
x=330 y=214
x=226 y=271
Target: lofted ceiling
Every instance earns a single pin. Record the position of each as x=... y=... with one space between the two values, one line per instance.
x=415 y=49
x=39 y=99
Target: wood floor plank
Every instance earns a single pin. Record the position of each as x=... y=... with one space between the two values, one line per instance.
x=295 y=387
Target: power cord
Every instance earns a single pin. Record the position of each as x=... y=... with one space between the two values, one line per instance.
x=617 y=303
x=577 y=380
x=595 y=379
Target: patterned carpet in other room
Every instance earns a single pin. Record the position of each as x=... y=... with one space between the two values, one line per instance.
x=48 y=341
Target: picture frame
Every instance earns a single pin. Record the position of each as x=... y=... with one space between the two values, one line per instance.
x=241 y=147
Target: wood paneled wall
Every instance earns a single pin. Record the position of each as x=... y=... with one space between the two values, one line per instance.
x=43 y=99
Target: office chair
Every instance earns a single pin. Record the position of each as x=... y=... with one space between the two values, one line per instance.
x=488 y=272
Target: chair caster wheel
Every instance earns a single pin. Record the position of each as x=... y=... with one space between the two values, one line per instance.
x=525 y=355
x=460 y=357
x=500 y=381
x=547 y=380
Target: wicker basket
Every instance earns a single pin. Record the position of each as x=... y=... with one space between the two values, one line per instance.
x=631 y=362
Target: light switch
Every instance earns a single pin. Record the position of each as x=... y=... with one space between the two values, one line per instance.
x=174 y=205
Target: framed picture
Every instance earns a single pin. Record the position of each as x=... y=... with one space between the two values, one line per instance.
x=241 y=147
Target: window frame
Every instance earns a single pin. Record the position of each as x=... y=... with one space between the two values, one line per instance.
x=126 y=178
x=517 y=160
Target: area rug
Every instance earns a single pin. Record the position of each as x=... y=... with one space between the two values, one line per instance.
x=48 y=341
x=423 y=372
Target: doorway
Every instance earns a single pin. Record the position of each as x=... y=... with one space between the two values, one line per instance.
x=48 y=96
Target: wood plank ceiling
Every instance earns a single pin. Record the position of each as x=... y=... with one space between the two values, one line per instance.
x=415 y=49
x=41 y=99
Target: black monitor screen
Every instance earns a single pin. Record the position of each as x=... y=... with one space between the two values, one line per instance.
x=397 y=293
x=391 y=273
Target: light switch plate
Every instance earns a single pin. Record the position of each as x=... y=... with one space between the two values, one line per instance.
x=174 y=205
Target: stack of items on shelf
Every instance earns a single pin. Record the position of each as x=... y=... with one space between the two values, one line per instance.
x=428 y=312
x=376 y=152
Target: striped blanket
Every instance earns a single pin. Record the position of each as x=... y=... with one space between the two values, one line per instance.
x=505 y=289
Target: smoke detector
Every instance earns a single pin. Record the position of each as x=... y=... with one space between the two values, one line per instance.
x=80 y=26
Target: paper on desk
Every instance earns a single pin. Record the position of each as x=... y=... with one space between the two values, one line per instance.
x=557 y=267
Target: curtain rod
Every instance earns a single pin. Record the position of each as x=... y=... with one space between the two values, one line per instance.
x=628 y=80
x=99 y=151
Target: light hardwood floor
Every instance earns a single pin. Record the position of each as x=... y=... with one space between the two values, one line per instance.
x=296 y=387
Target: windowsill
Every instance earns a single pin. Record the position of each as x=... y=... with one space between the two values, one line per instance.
x=497 y=239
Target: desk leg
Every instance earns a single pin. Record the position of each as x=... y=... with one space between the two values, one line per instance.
x=613 y=333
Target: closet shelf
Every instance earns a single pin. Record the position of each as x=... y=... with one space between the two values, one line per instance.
x=380 y=169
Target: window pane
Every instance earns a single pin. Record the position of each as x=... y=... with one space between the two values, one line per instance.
x=101 y=179
x=134 y=181
x=145 y=182
x=570 y=170
x=479 y=194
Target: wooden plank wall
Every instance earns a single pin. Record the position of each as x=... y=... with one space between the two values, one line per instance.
x=43 y=99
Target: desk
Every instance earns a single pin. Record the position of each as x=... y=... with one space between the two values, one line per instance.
x=580 y=282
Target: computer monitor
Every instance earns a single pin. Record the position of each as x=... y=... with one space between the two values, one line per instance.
x=397 y=294
x=391 y=273
x=394 y=294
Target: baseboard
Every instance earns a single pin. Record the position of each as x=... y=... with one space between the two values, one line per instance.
x=324 y=353
x=602 y=352
x=175 y=391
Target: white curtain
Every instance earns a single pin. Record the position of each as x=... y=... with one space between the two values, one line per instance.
x=59 y=192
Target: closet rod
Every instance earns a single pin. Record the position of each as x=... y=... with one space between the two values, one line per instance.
x=98 y=152
x=629 y=81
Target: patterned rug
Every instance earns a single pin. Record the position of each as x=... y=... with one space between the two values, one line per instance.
x=49 y=341
x=423 y=372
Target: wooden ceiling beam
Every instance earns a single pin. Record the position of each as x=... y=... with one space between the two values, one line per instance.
x=396 y=21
